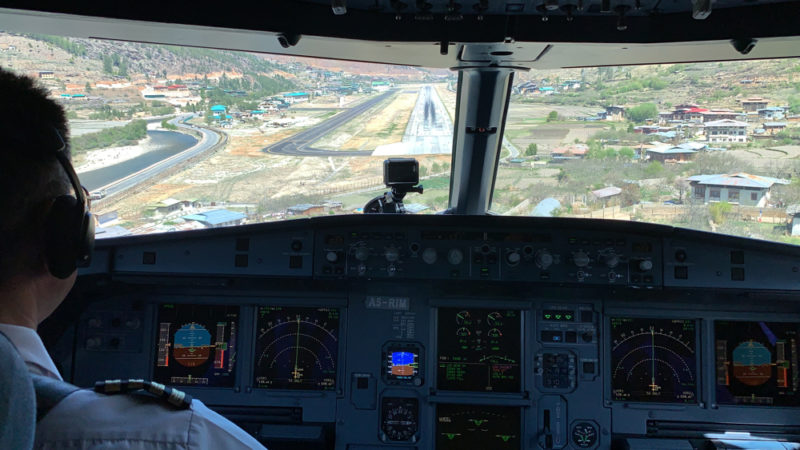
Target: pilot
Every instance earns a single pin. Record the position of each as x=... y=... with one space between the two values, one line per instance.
x=41 y=224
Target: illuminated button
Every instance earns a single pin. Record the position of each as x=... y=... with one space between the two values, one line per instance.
x=552 y=336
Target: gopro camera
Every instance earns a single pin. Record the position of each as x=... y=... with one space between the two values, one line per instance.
x=400 y=172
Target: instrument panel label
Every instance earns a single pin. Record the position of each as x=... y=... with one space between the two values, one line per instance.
x=387 y=303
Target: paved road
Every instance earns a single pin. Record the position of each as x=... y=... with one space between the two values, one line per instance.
x=208 y=140
x=298 y=145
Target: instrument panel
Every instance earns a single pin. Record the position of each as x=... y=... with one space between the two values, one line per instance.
x=508 y=360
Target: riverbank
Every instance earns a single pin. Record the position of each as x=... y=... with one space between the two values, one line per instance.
x=104 y=157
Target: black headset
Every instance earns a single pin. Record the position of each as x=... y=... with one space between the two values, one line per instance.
x=69 y=226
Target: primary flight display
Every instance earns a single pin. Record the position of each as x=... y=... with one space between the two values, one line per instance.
x=757 y=363
x=196 y=345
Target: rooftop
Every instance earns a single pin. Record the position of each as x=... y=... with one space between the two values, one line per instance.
x=215 y=217
x=740 y=179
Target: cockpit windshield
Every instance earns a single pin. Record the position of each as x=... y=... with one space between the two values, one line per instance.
x=169 y=138
x=708 y=146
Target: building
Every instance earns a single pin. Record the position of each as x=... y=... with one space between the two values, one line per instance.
x=666 y=153
x=771 y=113
x=46 y=75
x=738 y=188
x=754 y=104
x=607 y=195
x=615 y=112
x=726 y=130
x=574 y=151
x=217 y=218
x=722 y=114
x=305 y=209
x=296 y=97
x=381 y=86
x=773 y=128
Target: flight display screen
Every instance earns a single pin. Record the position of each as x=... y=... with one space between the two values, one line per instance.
x=654 y=360
x=478 y=427
x=402 y=365
x=757 y=363
x=296 y=348
x=196 y=345
x=479 y=350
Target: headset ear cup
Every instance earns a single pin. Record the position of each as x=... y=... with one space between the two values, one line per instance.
x=86 y=240
x=61 y=231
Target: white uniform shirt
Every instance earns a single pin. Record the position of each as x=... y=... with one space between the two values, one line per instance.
x=88 y=420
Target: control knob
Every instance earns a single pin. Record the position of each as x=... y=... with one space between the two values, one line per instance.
x=543 y=259
x=429 y=255
x=513 y=258
x=645 y=265
x=362 y=253
x=391 y=254
x=332 y=257
x=580 y=258
x=455 y=256
x=611 y=260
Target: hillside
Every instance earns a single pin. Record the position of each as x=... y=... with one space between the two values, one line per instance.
x=720 y=84
x=88 y=59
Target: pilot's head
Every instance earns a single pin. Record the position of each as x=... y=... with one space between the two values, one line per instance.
x=32 y=128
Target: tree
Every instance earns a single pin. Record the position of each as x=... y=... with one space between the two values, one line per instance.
x=123 y=68
x=531 y=150
x=643 y=112
x=553 y=116
x=626 y=153
x=88 y=87
x=718 y=211
x=108 y=67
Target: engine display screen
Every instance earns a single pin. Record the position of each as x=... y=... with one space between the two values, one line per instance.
x=757 y=363
x=478 y=427
x=654 y=360
x=479 y=350
x=196 y=345
x=296 y=348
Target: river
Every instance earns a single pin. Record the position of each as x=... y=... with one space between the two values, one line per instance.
x=167 y=143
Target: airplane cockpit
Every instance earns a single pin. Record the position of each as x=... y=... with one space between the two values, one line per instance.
x=470 y=327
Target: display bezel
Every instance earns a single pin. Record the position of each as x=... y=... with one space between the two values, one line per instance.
x=336 y=388
x=419 y=379
x=210 y=303
x=519 y=410
x=522 y=360
x=698 y=344
x=713 y=379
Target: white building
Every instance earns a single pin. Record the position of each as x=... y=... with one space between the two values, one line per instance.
x=726 y=130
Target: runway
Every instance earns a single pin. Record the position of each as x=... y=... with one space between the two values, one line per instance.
x=429 y=130
x=298 y=145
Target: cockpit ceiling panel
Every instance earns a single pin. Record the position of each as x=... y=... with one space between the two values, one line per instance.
x=606 y=21
x=521 y=7
x=504 y=52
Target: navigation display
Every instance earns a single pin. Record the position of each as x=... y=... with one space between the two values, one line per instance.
x=296 y=348
x=757 y=363
x=479 y=427
x=479 y=350
x=654 y=360
x=196 y=345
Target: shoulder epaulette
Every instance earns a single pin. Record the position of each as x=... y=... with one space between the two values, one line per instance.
x=174 y=397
